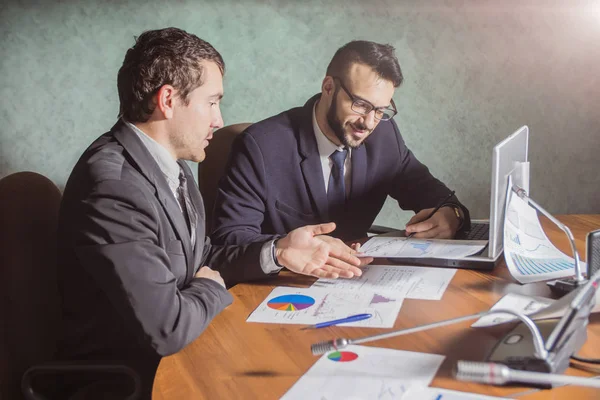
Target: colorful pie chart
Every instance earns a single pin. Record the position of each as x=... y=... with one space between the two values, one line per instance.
x=342 y=356
x=291 y=302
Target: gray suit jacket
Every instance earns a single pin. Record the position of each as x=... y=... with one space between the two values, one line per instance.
x=126 y=264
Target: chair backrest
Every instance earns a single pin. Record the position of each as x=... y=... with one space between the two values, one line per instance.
x=212 y=168
x=29 y=205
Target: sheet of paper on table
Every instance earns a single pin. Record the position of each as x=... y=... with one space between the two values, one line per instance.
x=425 y=283
x=386 y=246
x=430 y=393
x=536 y=308
x=286 y=305
x=362 y=372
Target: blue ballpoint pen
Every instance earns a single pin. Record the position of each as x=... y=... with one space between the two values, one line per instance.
x=352 y=318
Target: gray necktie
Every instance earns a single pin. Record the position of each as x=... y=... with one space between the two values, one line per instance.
x=336 y=189
x=187 y=207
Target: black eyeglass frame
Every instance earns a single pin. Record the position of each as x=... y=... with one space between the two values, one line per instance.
x=368 y=104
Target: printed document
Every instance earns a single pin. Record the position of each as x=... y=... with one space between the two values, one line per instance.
x=425 y=283
x=430 y=393
x=530 y=255
x=286 y=305
x=537 y=308
x=389 y=246
x=362 y=372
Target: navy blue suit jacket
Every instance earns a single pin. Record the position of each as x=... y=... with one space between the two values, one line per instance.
x=274 y=181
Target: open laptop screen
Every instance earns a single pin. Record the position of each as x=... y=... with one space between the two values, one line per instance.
x=509 y=158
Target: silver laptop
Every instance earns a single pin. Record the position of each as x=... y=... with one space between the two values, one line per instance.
x=509 y=158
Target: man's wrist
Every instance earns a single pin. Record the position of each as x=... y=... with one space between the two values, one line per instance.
x=458 y=213
x=275 y=253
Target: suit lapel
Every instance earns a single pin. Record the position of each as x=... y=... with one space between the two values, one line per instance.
x=311 y=161
x=150 y=169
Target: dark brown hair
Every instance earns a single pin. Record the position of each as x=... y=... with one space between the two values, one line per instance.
x=380 y=57
x=167 y=56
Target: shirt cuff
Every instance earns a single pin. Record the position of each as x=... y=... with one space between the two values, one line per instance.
x=267 y=258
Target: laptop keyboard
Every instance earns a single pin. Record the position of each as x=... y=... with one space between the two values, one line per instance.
x=477 y=232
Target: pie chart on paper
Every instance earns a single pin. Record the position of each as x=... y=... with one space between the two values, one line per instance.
x=342 y=356
x=291 y=302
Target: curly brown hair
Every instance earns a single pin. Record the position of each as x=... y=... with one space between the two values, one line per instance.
x=169 y=56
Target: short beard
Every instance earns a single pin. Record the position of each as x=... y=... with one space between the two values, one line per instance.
x=336 y=125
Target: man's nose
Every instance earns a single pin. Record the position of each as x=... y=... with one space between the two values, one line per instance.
x=370 y=120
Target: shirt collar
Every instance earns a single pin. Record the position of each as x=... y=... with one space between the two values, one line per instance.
x=167 y=164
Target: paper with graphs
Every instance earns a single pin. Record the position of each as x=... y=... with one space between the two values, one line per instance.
x=425 y=283
x=402 y=247
x=361 y=372
x=514 y=302
x=286 y=305
x=530 y=255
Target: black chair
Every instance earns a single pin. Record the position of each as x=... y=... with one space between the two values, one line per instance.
x=29 y=205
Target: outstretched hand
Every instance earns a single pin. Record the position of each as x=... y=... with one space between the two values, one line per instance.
x=308 y=251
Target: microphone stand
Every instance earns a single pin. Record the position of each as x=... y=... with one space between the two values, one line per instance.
x=562 y=286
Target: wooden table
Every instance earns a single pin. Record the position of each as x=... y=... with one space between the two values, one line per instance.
x=234 y=359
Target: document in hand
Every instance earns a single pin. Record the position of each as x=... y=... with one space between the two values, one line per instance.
x=362 y=372
x=402 y=247
x=286 y=305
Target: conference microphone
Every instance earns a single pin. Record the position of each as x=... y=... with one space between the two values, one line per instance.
x=337 y=344
x=500 y=374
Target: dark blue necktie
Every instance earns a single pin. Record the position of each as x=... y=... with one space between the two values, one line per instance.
x=336 y=189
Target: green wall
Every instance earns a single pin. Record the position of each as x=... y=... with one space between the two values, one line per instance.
x=474 y=72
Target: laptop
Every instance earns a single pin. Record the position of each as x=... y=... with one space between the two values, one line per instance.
x=509 y=158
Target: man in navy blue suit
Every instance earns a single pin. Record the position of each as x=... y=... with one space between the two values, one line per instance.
x=336 y=158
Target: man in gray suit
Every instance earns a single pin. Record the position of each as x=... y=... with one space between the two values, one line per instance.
x=138 y=277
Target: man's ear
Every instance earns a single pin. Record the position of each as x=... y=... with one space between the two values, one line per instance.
x=328 y=86
x=165 y=100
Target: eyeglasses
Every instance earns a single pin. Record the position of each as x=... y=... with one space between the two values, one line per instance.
x=363 y=107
